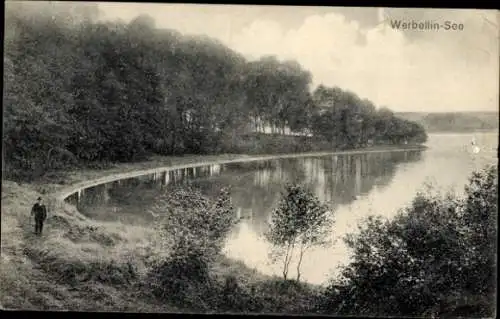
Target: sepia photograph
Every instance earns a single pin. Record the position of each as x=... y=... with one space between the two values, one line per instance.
x=249 y=159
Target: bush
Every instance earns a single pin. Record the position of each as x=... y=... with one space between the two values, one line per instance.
x=234 y=298
x=183 y=280
x=196 y=228
x=437 y=257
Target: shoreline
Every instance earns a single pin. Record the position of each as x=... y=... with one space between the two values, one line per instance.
x=64 y=193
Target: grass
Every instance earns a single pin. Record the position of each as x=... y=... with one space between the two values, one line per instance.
x=82 y=265
x=77 y=264
x=268 y=294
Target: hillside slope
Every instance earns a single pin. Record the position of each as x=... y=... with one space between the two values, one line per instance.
x=77 y=264
x=454 y=121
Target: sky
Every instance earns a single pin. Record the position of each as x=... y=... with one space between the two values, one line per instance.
x=355 y=48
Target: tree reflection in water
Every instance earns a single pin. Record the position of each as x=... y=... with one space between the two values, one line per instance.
x=256 y=186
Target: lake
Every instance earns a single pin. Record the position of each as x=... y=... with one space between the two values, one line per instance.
x=354 y=186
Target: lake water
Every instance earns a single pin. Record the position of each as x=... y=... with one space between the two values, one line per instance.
x=355 y=186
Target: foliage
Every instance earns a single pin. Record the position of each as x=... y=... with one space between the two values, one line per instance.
x=82 y=91
x=356 y=122
x=272 y=295
x=437 y=257
x=300 y=219
x=195 y=228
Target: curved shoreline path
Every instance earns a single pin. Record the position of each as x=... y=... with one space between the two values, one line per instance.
x=65 y=193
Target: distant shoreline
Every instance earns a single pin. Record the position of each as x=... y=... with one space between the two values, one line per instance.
x=456 y=122
x=496 y=131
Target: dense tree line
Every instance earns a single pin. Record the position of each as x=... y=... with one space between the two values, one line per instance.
x=348 y=121
x=82 y=91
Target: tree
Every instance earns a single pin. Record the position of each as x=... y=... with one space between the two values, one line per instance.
x=83 y=91
x=299 y=220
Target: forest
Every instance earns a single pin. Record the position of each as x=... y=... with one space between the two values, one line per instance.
x=79 y=91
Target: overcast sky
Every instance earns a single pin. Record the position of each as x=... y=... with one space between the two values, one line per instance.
x=354 y=48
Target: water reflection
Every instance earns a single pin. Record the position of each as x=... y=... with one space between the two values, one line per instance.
x=354 y=185
x=339 y=180
x=256 y=186
x=127 y=200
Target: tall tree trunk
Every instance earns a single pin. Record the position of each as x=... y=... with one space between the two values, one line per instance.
x=285 y=264
x=288 y=258
x=302 y=250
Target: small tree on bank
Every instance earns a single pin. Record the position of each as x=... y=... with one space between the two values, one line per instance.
x=300 y=221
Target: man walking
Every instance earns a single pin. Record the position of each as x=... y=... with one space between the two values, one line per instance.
x=40 y=213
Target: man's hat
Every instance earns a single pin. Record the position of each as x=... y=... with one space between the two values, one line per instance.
x=39 y=198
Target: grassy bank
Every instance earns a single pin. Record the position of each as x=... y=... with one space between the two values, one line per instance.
x=77 y=264
x=81 y=264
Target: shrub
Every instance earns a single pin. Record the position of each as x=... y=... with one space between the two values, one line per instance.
x=195 y=227
x=437 y=257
